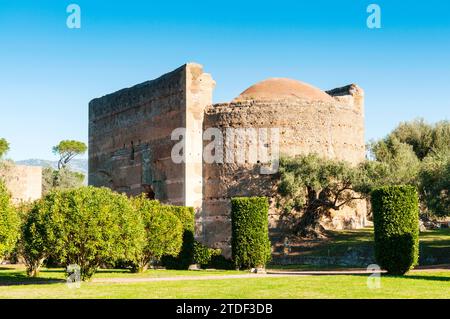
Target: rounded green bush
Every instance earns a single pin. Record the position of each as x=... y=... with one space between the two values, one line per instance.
x=186 y=256
x=87 y=226
x=250 y=232
x=9 y=222
x=396 y=222
x=163 y=233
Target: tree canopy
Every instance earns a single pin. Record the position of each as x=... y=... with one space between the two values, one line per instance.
x=4 y=147
x=417 y=153
x=67 y=150
x=314 y=185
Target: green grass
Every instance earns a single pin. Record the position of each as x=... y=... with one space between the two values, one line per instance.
x=434 y=246
x=430 y=284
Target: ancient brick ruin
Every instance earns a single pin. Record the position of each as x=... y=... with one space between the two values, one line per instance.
x=23 y=182
x=131 y=142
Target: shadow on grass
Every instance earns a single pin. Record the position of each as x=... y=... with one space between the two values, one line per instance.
x=20 y=279
x=431 y=278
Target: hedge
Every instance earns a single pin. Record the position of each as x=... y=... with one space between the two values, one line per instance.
x=186 y=257
x=250 y=234
x=396 y=222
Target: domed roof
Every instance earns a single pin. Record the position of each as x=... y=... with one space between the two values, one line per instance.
x=281 y=88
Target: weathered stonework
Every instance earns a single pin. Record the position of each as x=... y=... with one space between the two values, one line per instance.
x=130 y=142
x=23 y=182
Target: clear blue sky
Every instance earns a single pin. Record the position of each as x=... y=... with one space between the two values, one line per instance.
x=49 y=73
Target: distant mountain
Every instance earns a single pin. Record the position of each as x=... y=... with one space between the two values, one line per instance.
x=78 y=165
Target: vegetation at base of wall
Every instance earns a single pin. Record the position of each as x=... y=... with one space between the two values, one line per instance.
x=250 y=233
x=87 y=226
x=63 y=179
x=220 y=262
x=186 y=256
x=203 y=254
x=396 y=222
x=314 y=186
x=9 y=223
x=163 y=233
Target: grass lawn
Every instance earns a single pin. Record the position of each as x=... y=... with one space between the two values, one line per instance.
x=434 y=247
x=420 y=284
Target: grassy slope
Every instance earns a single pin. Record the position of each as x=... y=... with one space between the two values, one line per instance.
x=431 y=284
x=433 y=244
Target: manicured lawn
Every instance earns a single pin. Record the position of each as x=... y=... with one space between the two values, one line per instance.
x=420 y=284
x=434 y=247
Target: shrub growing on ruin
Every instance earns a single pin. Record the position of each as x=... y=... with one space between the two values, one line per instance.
x=396 y=222
x=163 y=233
x=186 y=256
x=9 y=222
x=86 y=226
x=250 y=232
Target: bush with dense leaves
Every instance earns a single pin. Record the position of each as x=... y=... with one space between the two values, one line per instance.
x=9 y=222
x=396 y=222
x=203 y=254
x=186 y=256
x=250 y=233
x=86 y=226
x=163 y=233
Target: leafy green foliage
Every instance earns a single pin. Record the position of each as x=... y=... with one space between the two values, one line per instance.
x=63 y=179
x=425 y=139
x=416 y=153
x=86 y=226
x=313 y=186
x=9 y=222
x=4 y=147
x=163 y=233
x=435 y=183
x=398 y=160
x=250 y=233
x=396 y=222
x=67 y=150
x=186 y=256
x=203 y=254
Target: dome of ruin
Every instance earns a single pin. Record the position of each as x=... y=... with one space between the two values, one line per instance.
x=283 y=88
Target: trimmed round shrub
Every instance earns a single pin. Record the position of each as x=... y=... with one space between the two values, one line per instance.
x=250 y=232
x=87 y=226
x=163 y=233
x=9 y=223
x=396 y=222
x=186 y=256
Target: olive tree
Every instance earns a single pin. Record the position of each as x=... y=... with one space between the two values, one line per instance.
x=314 y=186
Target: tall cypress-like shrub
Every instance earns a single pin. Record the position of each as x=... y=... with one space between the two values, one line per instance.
x=396 y=222
x=250 y=232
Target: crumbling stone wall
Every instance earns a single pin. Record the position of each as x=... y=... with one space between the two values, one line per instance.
x=23 y=182
x=333 y=129
x=130 y=141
